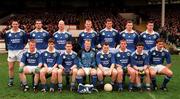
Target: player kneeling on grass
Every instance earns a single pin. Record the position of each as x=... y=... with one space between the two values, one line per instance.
x=157 y=56
x=106 y=63
x=50 y=60
x=31 y=63
x=123 y=65
x=68 y=66
x=87 y=64
x=140 y=62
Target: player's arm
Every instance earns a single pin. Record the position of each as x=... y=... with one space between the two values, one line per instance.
x=76 y=63
x=168 y=60
x=112 y=63
x=98 y=60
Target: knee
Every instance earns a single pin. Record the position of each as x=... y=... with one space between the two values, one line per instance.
x=170 y=73
x=114 y=72
x=80 y=72
x=59 y=72
x=93 y=72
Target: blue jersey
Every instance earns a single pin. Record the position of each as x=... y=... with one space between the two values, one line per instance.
x=139 y=60
x=149 y=40
x=68 y=60
x=87 y=58
x=92 y=36
x=16 y=40
x=158 y=57
x=123 y=58
x=50 y=59
x=60 y=39
x=131 y=39
x=106 y=60
x=109 y=36
x=31 y=59
x=41 y=38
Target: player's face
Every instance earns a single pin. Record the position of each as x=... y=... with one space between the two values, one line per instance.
x=68 y=47
x=150 y=26
x=139 y=49
x=87 y=45
x=15 y=24
x=129 y=26
x=109 y=25
x=88 y=25
x=51 y=45
x=123 y=44
x=160 y=45
x=38 y=24
x=105 y=48
x=32 y=46
x=61 y=25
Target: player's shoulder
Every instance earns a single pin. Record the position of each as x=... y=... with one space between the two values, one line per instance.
x=133 y=53
x=152 y=49
x=69 y=33
x=8 y=31
x=143 y=33
x=165 y=50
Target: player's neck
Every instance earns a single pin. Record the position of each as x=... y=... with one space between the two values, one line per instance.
x=150 y=31
x=88 y=30
x=15 y=29
x=61 y=30
x=123 y=49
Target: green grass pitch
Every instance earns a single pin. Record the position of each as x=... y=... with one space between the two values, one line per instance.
x=16 y=93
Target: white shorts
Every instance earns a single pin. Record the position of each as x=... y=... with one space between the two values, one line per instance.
x=106 y=68
x=140 y=68
x=31 y=69
x=15 y=55
x=158 y=68
x=49 y=71
x=87 y=71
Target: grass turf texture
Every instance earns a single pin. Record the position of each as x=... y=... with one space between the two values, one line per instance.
x=16 y=92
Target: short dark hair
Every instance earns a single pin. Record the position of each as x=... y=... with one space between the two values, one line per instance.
x=38 y=20
x=51 y=40
x=150 y=21
x=122 y=40
x=159 y=40
x=68 y=42
x=14 y=20
x=105 y=44
x=139 y=44
x=32 y=41
x=108 y=20
x=129 y=21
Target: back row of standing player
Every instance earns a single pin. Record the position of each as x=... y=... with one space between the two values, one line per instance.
x=16 y=40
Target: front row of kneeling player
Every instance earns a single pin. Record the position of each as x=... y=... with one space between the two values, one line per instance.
x=136 y=65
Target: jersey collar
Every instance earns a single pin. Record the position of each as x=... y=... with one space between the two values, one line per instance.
x=140 y=53
x=41 y=30
x=132 y=31
x=49 y=51
x=89 y=32
x=106 y=29
x=61 y=32
x=68 y=53
x=159 y=50
x=14 y=31
x=33 y=52
x=153 y=32
x=105 y=53
x=123 y=51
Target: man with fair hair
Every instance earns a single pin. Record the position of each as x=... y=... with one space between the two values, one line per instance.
x=61 y=37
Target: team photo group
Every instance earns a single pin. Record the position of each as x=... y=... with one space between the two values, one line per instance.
x=111 y=54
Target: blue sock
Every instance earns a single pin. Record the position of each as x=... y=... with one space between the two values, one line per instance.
x=51 y=85
x=120 y=85
x=130 y=85
x=154 y=81
x=43 y=86
x=60 y=85
x=79 y=79
x=94 y=79
x=101 y=82
x=166 y=80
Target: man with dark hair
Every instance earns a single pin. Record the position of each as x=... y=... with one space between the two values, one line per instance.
x=157 y=56
x=15 y=39
x=40 y=35
x=149 y=36
x=108 y=34
x=106 y=64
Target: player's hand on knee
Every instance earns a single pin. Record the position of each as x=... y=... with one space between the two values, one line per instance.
x=37 y=69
